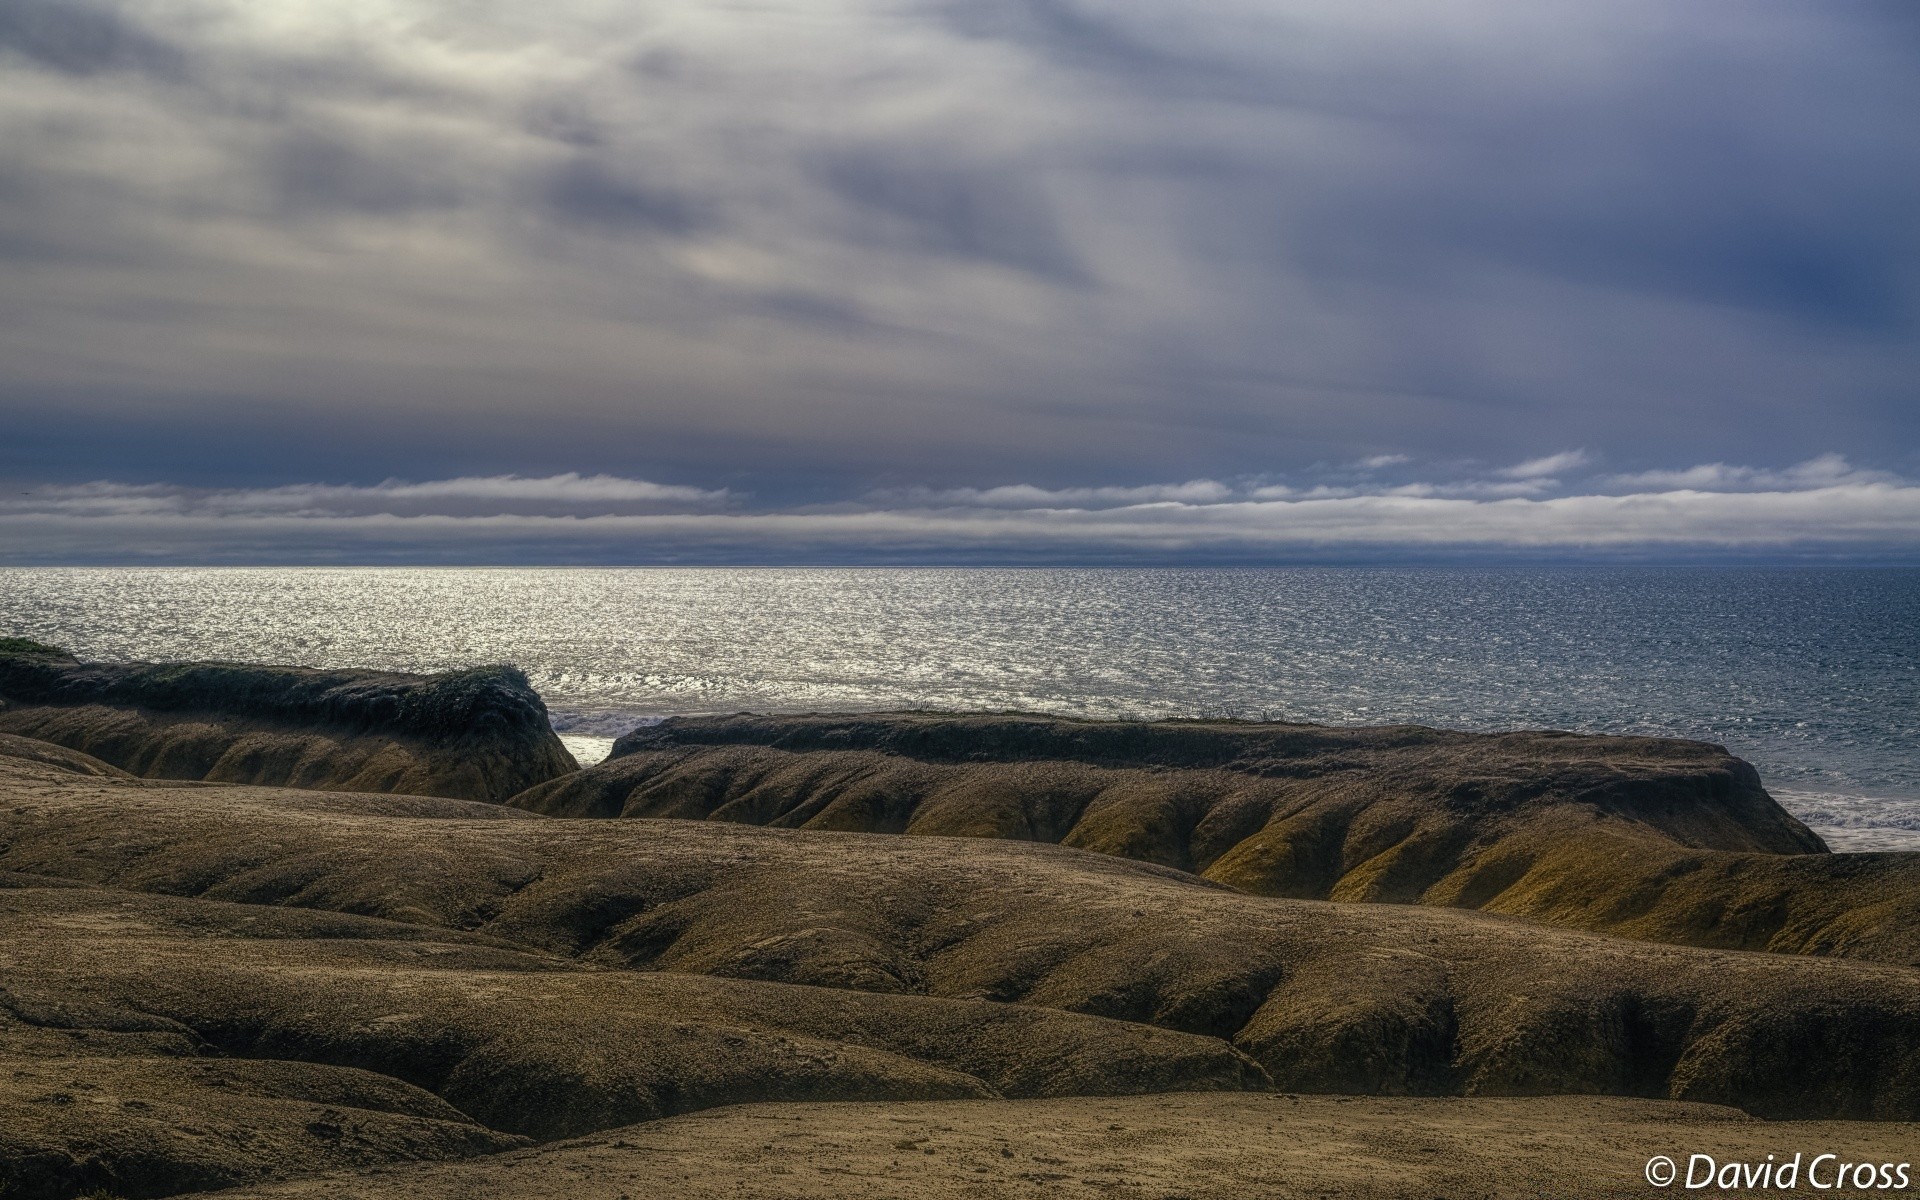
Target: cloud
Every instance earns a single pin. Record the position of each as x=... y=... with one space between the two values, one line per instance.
x=1825 y=470
x=1194 y=491
x=575 y=518
x=1552 y=464
x=461 y=497
x=570 y=488
x=949 y=242
x=81 y=38
x=1480 y=488
x=586 y=191
x=980 y=212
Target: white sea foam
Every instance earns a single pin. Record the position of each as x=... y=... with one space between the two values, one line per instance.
x=589 y=735
x=1854 y=823
x=586 y=748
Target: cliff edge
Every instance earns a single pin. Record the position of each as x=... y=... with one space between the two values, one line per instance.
x=1654 y=838
x=480 y=734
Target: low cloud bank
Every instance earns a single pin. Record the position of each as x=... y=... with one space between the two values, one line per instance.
x=1824 y=507
x=470 y=495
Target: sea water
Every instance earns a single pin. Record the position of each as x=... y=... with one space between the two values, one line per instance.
x=1813 y=675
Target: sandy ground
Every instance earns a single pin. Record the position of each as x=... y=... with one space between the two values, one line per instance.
x=1191 y=1146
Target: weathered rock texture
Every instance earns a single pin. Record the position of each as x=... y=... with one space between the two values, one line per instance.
x=1653 y=838
x=477 y=735
x=947 y=953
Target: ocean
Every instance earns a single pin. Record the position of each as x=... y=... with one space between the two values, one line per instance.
x=1811 y=674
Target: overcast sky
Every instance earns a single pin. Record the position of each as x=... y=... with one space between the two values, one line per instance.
x=968 y=280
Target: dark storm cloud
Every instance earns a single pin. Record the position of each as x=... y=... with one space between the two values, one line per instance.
x=585 y=191
x=1073 y=37
x=80 y=38
x=314 y=171
x=1801 y=274
x=826 y=250
x=916 y=201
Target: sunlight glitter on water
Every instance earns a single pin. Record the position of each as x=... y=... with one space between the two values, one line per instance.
x=1813 y=675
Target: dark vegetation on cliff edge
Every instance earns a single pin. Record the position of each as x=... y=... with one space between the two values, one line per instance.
x=476 y=734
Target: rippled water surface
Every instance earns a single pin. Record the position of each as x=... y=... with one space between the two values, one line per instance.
x=1813 y=675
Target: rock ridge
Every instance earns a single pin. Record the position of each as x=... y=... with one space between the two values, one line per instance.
x=481 y=733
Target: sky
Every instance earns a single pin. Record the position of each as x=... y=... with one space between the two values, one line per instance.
x=959 y=281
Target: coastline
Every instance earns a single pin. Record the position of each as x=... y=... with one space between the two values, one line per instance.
x=1170 y=927
x=1824 y=702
